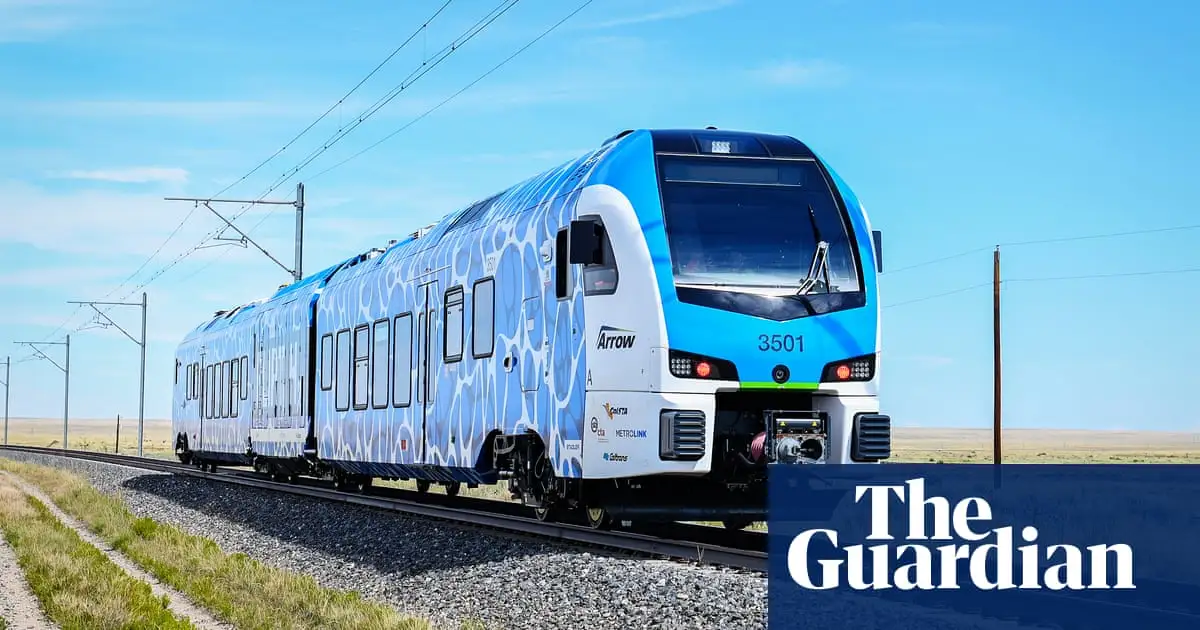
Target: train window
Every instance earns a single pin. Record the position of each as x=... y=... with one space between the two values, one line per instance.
x=402 y=361
x=210 y=396
x=562 y=271
x=235 y=383
x=177 y=365
x=244 y=390
x=343 y=371
x=601 y=278
x=379 y=364
x=219 y=407
x=362 y=353
x=453 y=344
x=327 y=361
x=483 y=318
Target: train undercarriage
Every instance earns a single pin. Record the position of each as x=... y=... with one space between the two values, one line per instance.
x=751 y=430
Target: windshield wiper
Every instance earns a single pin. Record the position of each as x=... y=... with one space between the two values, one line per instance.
x=815 y=269
x=820 y=262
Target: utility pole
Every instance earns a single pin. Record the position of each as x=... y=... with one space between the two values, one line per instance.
x=7 y=379
x=996 y=355
x=141 y=343
x=66 y=369
x=298 y=271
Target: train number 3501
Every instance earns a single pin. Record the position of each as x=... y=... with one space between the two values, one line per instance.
x=781 y=343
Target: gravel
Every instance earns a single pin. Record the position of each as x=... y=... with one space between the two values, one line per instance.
x=450 y=575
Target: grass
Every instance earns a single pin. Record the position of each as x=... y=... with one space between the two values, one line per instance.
x=77 y=585
x=235 y=587
x=89 y=434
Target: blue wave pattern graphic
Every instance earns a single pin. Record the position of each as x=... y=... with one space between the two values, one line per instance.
x=512 y=241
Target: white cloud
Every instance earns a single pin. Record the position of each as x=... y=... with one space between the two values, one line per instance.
x=133 y=175
x=812 y=73
x=52 y=276
x=36 y=20
x=679 y=11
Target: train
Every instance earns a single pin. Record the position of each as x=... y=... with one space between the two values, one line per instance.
x=637 y=334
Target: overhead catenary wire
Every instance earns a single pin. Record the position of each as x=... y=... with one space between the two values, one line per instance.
x=426 y=113
x=1033 y=279
x=425 y=67
x=1044 y=241
x=412 y=36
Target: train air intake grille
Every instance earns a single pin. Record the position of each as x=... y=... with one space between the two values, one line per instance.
x=681 y=435
x=872 y=440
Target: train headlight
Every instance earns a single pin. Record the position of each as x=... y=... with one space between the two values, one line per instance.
x=689 y=365
x=850 y=370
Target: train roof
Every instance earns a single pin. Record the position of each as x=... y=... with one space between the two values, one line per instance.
x=692 y=141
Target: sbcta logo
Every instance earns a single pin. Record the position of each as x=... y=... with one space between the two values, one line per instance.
x=918 y=557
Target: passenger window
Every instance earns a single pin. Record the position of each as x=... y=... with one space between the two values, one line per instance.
x=402 y=361
x=454 y=325
x=327 y=361
x=362 y=349
x=342 y=395
x=379 y=365
x=601 y=278
x=245 y=387
x=483 y=318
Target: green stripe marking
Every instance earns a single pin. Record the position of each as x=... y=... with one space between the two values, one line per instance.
x=773 y=385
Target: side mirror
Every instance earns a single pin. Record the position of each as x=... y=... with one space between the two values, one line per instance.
x=878 y=237
x=586 y=242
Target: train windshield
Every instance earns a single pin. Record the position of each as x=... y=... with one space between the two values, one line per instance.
x=754 y=223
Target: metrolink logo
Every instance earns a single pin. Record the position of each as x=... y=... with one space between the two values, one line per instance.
x=614 y=338
x=1054 y=567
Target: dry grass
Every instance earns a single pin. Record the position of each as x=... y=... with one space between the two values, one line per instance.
x=1046 y=446
x=235 y=587
x=90 y=434
x=77 y=585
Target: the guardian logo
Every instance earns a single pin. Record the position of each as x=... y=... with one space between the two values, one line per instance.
x=912 y=565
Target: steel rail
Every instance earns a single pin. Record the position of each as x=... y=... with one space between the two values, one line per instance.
x=479 y=515
x=1178 y=608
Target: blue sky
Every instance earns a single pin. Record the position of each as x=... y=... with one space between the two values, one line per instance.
x=960 y=125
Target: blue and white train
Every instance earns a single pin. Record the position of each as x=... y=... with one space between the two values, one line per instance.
x=634 y=334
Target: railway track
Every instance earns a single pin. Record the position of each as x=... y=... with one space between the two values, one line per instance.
x=694 y=543
x=1158 y=604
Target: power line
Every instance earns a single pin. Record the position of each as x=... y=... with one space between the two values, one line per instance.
x=1095 y=276
x=456 y=94
x=1127 y=274
x=1043 y=241
x=341 y=100
x=419 y=72
x=426 y=113
x=939 y=295
x=286 y=145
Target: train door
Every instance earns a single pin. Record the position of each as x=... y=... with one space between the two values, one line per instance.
x=260 y=387
x=427 y=353
x=205 y=403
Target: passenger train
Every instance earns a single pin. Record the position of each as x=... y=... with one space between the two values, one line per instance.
x=632 y=335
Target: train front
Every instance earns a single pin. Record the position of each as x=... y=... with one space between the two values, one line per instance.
x=768 y=320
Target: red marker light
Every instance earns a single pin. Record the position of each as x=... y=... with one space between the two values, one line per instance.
x=843 y=372
x=703 y=369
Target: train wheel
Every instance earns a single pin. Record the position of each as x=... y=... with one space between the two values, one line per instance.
x=422 y=486
x=598 y=518
x=452 y=488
